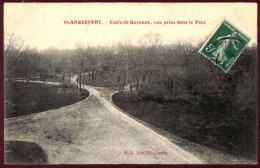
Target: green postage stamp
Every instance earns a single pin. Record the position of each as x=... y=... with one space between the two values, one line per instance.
x=224 y=46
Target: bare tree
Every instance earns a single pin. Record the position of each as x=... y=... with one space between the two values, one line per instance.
x=12 y=47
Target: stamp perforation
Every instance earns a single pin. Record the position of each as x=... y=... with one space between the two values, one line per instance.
x=213 y=33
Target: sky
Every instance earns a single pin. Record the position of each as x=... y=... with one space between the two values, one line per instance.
x=41 y=25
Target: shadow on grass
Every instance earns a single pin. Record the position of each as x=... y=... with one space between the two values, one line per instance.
x=213 y=124
x=23 y=152
x=22 y=99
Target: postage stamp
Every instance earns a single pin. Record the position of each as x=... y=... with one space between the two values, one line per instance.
x=225 y=45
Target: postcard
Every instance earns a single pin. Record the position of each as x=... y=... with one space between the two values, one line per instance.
x=130 y=83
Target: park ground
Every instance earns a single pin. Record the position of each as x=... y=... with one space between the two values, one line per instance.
x=94 y=130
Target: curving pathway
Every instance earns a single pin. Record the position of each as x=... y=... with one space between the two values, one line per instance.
x=94 y=131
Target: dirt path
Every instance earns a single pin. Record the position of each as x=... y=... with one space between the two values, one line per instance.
x=94 y=131
x=145 y=139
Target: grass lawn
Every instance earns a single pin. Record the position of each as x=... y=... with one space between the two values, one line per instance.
x=21 y=99
x=208 y=123
x=22 y=152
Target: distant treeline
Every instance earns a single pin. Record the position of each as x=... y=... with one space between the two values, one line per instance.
x=155 y=70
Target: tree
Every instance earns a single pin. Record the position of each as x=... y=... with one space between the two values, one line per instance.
x=12 y=47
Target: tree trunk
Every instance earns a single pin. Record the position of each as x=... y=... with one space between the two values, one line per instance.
x=137 y=84
x=69 y=78
x=119 y=83
x=100 y=74
x=131 y=87
x=63 y=78
x=77 y=80
x=80 y=77
x=93 y=77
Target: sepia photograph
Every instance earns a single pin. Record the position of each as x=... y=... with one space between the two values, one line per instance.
x=130 y=83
